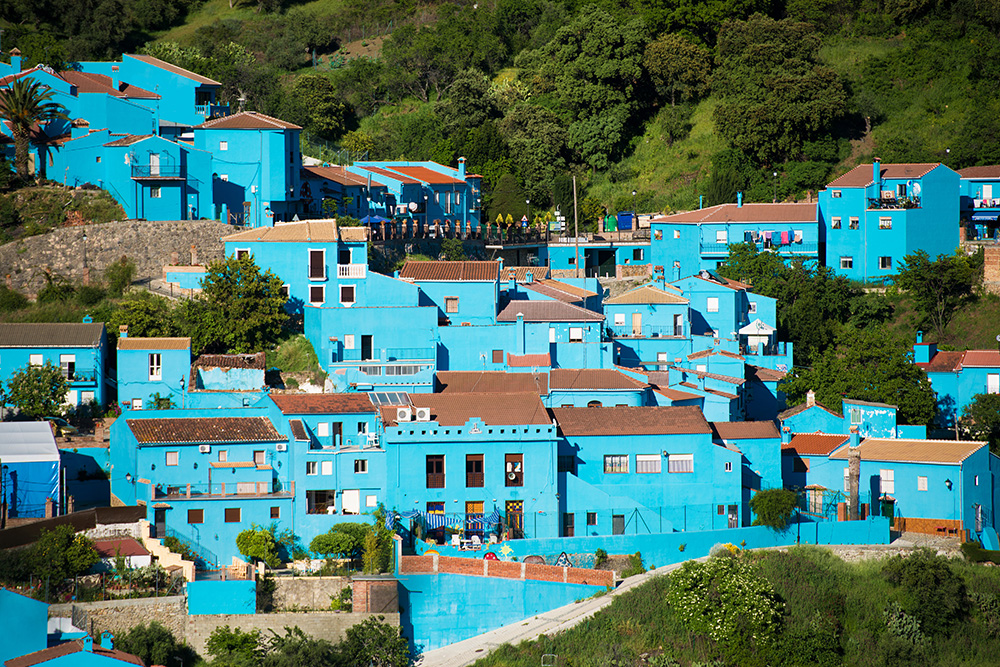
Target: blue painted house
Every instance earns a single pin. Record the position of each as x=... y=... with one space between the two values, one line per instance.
x=333 y=190
x=812 y=417
x=256 y=164
x=759 y=443
x=957 y=377
x=148 y=366
x=875 y=214
x=31 y=468
x=80 y=350
x=979 y=204
x=626 y=470
x=25 y=620
x=78 y=653
x=465 y=292
x=598 y=257
x=686 y=243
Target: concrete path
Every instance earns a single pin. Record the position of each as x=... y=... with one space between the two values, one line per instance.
x=552 y=622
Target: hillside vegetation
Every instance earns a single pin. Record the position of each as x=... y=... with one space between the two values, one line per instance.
x=803 y=607
x=670 y=100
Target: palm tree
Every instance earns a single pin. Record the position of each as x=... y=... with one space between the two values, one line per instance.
x=25 y=104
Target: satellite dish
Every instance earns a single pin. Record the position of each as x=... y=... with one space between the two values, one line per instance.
x=511 y=476
x=998 y=338
x=916 y=188
x=413 y=206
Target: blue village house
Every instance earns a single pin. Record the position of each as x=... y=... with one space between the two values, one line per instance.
x=332 y=189
x=30 y=477
x=979 y=202
x=760 y=445
x=957 y=377
x=80 y=350
x=875 y=214
x=152 y=366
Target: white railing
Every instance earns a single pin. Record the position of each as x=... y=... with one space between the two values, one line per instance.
x=351 y=270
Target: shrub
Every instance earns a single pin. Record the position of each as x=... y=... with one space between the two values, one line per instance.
x=342 y=601
x=600 y=557
x=11 y=300
x=635 y=566
x=155 y=645
x=90 y=295
x=773 y=507
x=120 y=275
x=930 y=591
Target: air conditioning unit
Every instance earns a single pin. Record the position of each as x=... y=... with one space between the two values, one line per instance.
x=423 y=414
x=282 y=447
x=512 y=476
x=404 y=414
x=205 y=449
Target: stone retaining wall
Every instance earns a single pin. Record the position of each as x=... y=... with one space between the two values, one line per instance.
x=119 y=616
x=149 y=244
x=307 y=593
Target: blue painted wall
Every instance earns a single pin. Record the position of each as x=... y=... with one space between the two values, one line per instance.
x=221 y=597
x=88 y=381
x=134 y=380
x=25 y=625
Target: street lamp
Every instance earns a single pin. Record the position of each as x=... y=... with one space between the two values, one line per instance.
x=775 y=174
x=527 y=203
x=3 y=497
x=427 y=220
x=635 y=213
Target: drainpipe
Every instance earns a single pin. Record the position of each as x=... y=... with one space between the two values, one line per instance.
x=519 y=334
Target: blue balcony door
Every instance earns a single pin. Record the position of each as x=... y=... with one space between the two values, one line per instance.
x=366 y=348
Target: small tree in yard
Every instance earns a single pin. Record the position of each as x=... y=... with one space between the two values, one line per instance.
x=60 y=554
x=258 y=544
x=981 y=420
x=38 y=391
x=375 y=643
x=773 y=507
x=343 y=539
x=120 y=275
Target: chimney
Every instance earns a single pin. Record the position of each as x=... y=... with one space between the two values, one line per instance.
x=107 y=641
x=701 y=202
x=739 y=200
x=786 y=434
x=461 y=168
x=114 y=77
x=519 y=334
x=810 y=398
x=920 y=337
x=877 y=177
x=855 y=437
x=88 y=644
x=123 y=331
x=529 y=277
x=15 y=59
x=511 y=284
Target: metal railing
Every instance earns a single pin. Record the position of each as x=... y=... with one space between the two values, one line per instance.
x=893 y=202
x=272 y=487
x=645 y=331
x=722 y=249
x=157 y=171
x=408 y=353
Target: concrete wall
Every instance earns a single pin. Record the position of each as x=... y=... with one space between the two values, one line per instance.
x=329 y=625
x=119 y=616
x=148 y=244
x=302 y=593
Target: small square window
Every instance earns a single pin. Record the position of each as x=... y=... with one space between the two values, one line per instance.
x=571 y=261
x=242 y=252
x=223 y=456
x=347 y=293
x=921 y=483
x=658 y=235
x=323 y=429
x=616 y=463
x=371 y=501
x=835 y=194
x=591 y=518
x=712 y=305
x=885 y=263
x=729 y=466
x=196 y=516
x=619 y=319
x=451 y=304
x=637 y=253
x=360 y=465
x=854 y=223
x=677 y=233
x=35 y=360
x=98 y=159
x=223 y=145
x=137 y=404
x=847 y=262
x=647 y=463
x=154 y=193
x=317 y=293
x=224 y=177
x=885 y=222
x=753 y=308
x=258 y=457
x=275 y=512
x=172 y=458
x=835 y=222
x=497 y=356
x=312 y=468
x=576 y=334
x=326 y=468
x=680 y=463
x=233 y=515
x=721 y=236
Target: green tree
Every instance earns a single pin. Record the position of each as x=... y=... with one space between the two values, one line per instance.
x=312 y=101
x=773 y=507
x=377 y=544
x=343 y=539
x=258 y=544
x=232 y=647
x=239 y=310
x=145 y=315
x=930 y=590
x=26 y=104
x=679 y=67
x=296 y=649
x=155 y=645
x=940 y=287
x=981 y=420
x=38 y=391
x=11 y=300
x=374 y=643
x=453 y=250
x=61 y=554
x=537 y=141
x=870 y=365
x=119 y=275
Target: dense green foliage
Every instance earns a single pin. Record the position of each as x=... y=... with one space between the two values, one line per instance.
x=25 y=104
x=939 y=287
x=38 y=391
x=800 y=607
x=981 y=420
x=258 y=545
x=344 y=540
x=773 y=507
x=61 y=554
x=155 y=645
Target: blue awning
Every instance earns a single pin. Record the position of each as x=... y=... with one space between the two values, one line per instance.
x=984 y=217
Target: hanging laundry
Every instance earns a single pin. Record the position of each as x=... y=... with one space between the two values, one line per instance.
x=798 y=236
x=784 y=238
x=767 y=236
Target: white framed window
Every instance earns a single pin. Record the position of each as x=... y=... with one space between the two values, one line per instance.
x=855 y=416
x=347 y=294
x=887 y=481
x=223 y=456
x=242 y=252
x=885 y=222
x=155 y=366
x=677 y=233
x=753 y=308
x=67 y=363
x=317 y=264
x=847 y=480
x=312 y=468
x=835 y=222
x=87 y=396
x=921 y=483
x=712 y=305
x=326 y=468
x=885 y=263
x=616 y=463
x=362 y=428
x=224 y=177
x=975 y=480
x=259 y=457
x=35 y=360
x=552 y=334
x=721 y=236
x=993 y=383
x=637 y=254
x=371 y=501
x=729 y=466
x=853 y=222
x=154 y=192
x=680 y=463
x=348 y=341
x=451 y=304
x=317 y=294
x=647 y=463
x=351 y=501
x=847 y=262
x=323 y=429
x=172 y=458
x=137 y=404
x=98 y=159
x=360 y=466
x=576 y=334
x=701 y=368
x=835 y=194
x=619 y=319
x=286 y=291
x=223 y=145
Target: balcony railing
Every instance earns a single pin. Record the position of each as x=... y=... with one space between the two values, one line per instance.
x=722 y=249
x=208 y=110
x=474 y=480
x=272 y=487
x=351 y=270
x=645 y=331
x=409 y=353
x=163 y=171
x=893 y=202
x=435 y=480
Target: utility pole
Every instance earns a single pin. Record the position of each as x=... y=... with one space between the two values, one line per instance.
x=576 y=231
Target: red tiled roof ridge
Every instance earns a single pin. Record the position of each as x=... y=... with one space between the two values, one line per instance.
x=861 y=175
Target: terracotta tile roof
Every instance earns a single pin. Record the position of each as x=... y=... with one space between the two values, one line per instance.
x=298 y=429
x=802 y=407
x=69 y=648
x=552 y=293
x=249 y=361
x=745 y=430
x=813 y=444
x=23 y=73
x=204 y=430
x=128 y=140
x=51 y=335
x=647 y=294
x=520 y=273
x=630 y=421
x=710 y=352
x=914 y=451
x=139 y=343
x=592 y=378
x=943 y=362
x=340 y=175
x=568 y=288
x=126 y=546
x=715 y=376
x=494 y=409
x=872 y=404
x=387 y=173
x=529 y=360
x=314 y=231
x=426 y=175
x=777 y=213
x=491 y=382
x=450 y=271
x=675 y=394
x=247 y=120
x=991 y=171
x=861 y=176
x=88 y=82
x=762 y=374
x=981 y=359
x=150 y=60
x=323 y=404
x=547 y=311
x=714 y=392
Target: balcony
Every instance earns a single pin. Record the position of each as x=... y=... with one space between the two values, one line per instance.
x=721 y=250
x=646 y=331
x=270 y=488
x=351 y=270
x=211 y=110
x=435 y=480
x=474 y=480
x=161 y=172
x=893 y=202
